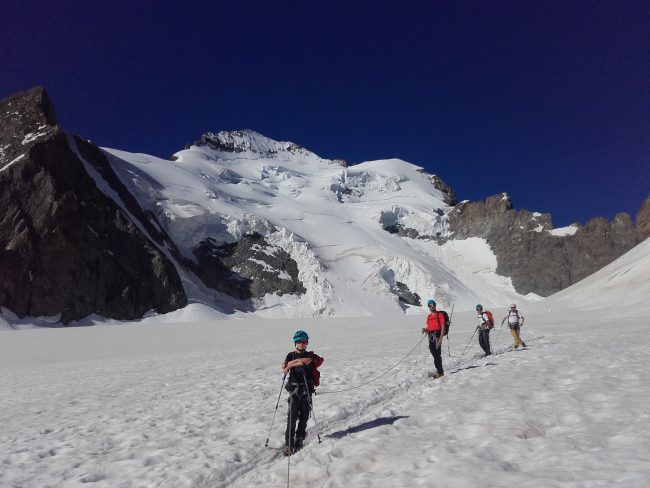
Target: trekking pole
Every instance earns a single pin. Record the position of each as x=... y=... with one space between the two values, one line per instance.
x=289 y=446
x=311 y=405
x=450 y=317
x=468 y=343
x=276 y=410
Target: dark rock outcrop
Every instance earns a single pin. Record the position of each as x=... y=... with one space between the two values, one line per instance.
x=65 y=246
x=643 y=221
x=537 y=260
x=406 y=295
x=249 y=268
x=449 y=197
x=403 y=231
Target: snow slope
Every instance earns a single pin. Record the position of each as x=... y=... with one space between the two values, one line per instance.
x=622 y=284
x=191 y=404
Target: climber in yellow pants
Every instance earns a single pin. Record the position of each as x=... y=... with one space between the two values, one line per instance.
x=515 y=321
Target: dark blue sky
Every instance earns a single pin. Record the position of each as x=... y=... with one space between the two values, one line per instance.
x=547 y=100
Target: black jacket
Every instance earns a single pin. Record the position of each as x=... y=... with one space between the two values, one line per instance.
x=297 y=375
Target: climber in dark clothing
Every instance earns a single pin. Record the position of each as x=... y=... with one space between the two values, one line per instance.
x=300 y=365
x=485 y=324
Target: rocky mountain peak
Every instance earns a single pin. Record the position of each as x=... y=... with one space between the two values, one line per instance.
x=478 y=218
x=498 y=203
x=25 y=117
x=32 y=105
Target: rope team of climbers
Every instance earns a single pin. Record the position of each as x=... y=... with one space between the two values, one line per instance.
x=301 y=366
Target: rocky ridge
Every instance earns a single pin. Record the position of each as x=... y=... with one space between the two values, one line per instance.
x=248 y=141
x=439 y=184
x=537 y=258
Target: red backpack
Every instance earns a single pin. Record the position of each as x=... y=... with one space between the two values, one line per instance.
x=490 y=319
x=316 y=361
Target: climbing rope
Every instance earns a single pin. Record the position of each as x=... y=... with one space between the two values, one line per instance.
x=458 y=363
x=377 y=377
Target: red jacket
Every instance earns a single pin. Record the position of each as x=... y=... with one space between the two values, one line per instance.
x=435 y=320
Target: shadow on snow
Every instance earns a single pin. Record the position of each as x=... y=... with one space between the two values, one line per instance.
x=367 y=425
x=471 y=367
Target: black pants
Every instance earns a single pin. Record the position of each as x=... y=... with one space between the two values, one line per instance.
x=299 y=408
x=484 y=340
x=436 y=352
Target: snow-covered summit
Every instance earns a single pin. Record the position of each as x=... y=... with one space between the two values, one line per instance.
x=248 y=144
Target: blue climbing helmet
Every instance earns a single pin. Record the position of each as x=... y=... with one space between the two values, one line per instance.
x=300 y=335
x=479 y=307
x=431 y=302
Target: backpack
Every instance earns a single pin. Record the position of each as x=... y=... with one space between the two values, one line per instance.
x=516 y=312
x=316 y=361
x=490 y=319
x=447 y=321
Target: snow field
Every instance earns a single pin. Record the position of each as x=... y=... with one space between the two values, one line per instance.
x=190 y=405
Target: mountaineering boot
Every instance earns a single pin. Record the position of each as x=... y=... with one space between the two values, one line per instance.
x=298 y=444
x=437 y=375
x=287 y=451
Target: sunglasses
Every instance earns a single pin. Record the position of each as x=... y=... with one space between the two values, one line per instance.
x=302 y=342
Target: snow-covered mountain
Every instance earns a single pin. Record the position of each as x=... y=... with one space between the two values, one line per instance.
x=239 y=224
x=332 y=220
